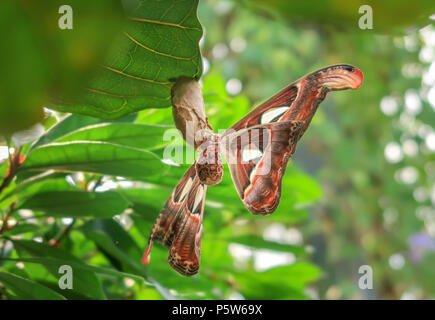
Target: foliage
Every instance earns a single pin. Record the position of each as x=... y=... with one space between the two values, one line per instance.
x=86 y=193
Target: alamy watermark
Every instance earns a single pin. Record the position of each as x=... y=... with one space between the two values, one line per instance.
x=66 y=280
x=366 y=20
x=365 y=281
x=65 y=21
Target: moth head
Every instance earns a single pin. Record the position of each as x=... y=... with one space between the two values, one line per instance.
x=338 y=77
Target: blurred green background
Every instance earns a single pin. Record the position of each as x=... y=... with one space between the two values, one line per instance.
x=85 y=188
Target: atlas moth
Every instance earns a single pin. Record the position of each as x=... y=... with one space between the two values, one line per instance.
x=257 y=149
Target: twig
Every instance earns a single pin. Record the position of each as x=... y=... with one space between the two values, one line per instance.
x=14 y=164
x=5 y=225
x=56 y=242
x=97 y=183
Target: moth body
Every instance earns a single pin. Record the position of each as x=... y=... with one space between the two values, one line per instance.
x=209 y=163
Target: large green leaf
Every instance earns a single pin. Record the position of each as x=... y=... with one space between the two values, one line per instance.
x=95 y=156
x=134 y=135
x=161 y=41
x=22 y=228
x=28 y=289
x=46 y=181
x=77 y=203
x=64 y=126
x=85 y=282
x=70 y=123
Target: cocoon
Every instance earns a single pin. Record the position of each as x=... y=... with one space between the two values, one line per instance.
x=188 y=110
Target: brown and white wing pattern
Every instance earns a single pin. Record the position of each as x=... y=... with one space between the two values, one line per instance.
x=260 y=145
x=179 y=225
x=300 y=100
x=257 y=158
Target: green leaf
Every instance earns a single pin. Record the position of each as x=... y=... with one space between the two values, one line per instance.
x=161 y=41
x=141 y=136
x=85 y=283
x=77 y=203
x=22 y=228
x=72 y=123
x=147 y=202
x=80 y=266
x=304 y=188
x=297 y=274
x=46 y=181
x=170 y=177
x=27 y=289
x=286 y=282
x=259 y=243
x=197 y=287
x=115 y=241
x=96 y=157
x=64 y=127
x=3 y=168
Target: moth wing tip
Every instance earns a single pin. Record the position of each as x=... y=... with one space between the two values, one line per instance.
x=147 y=254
